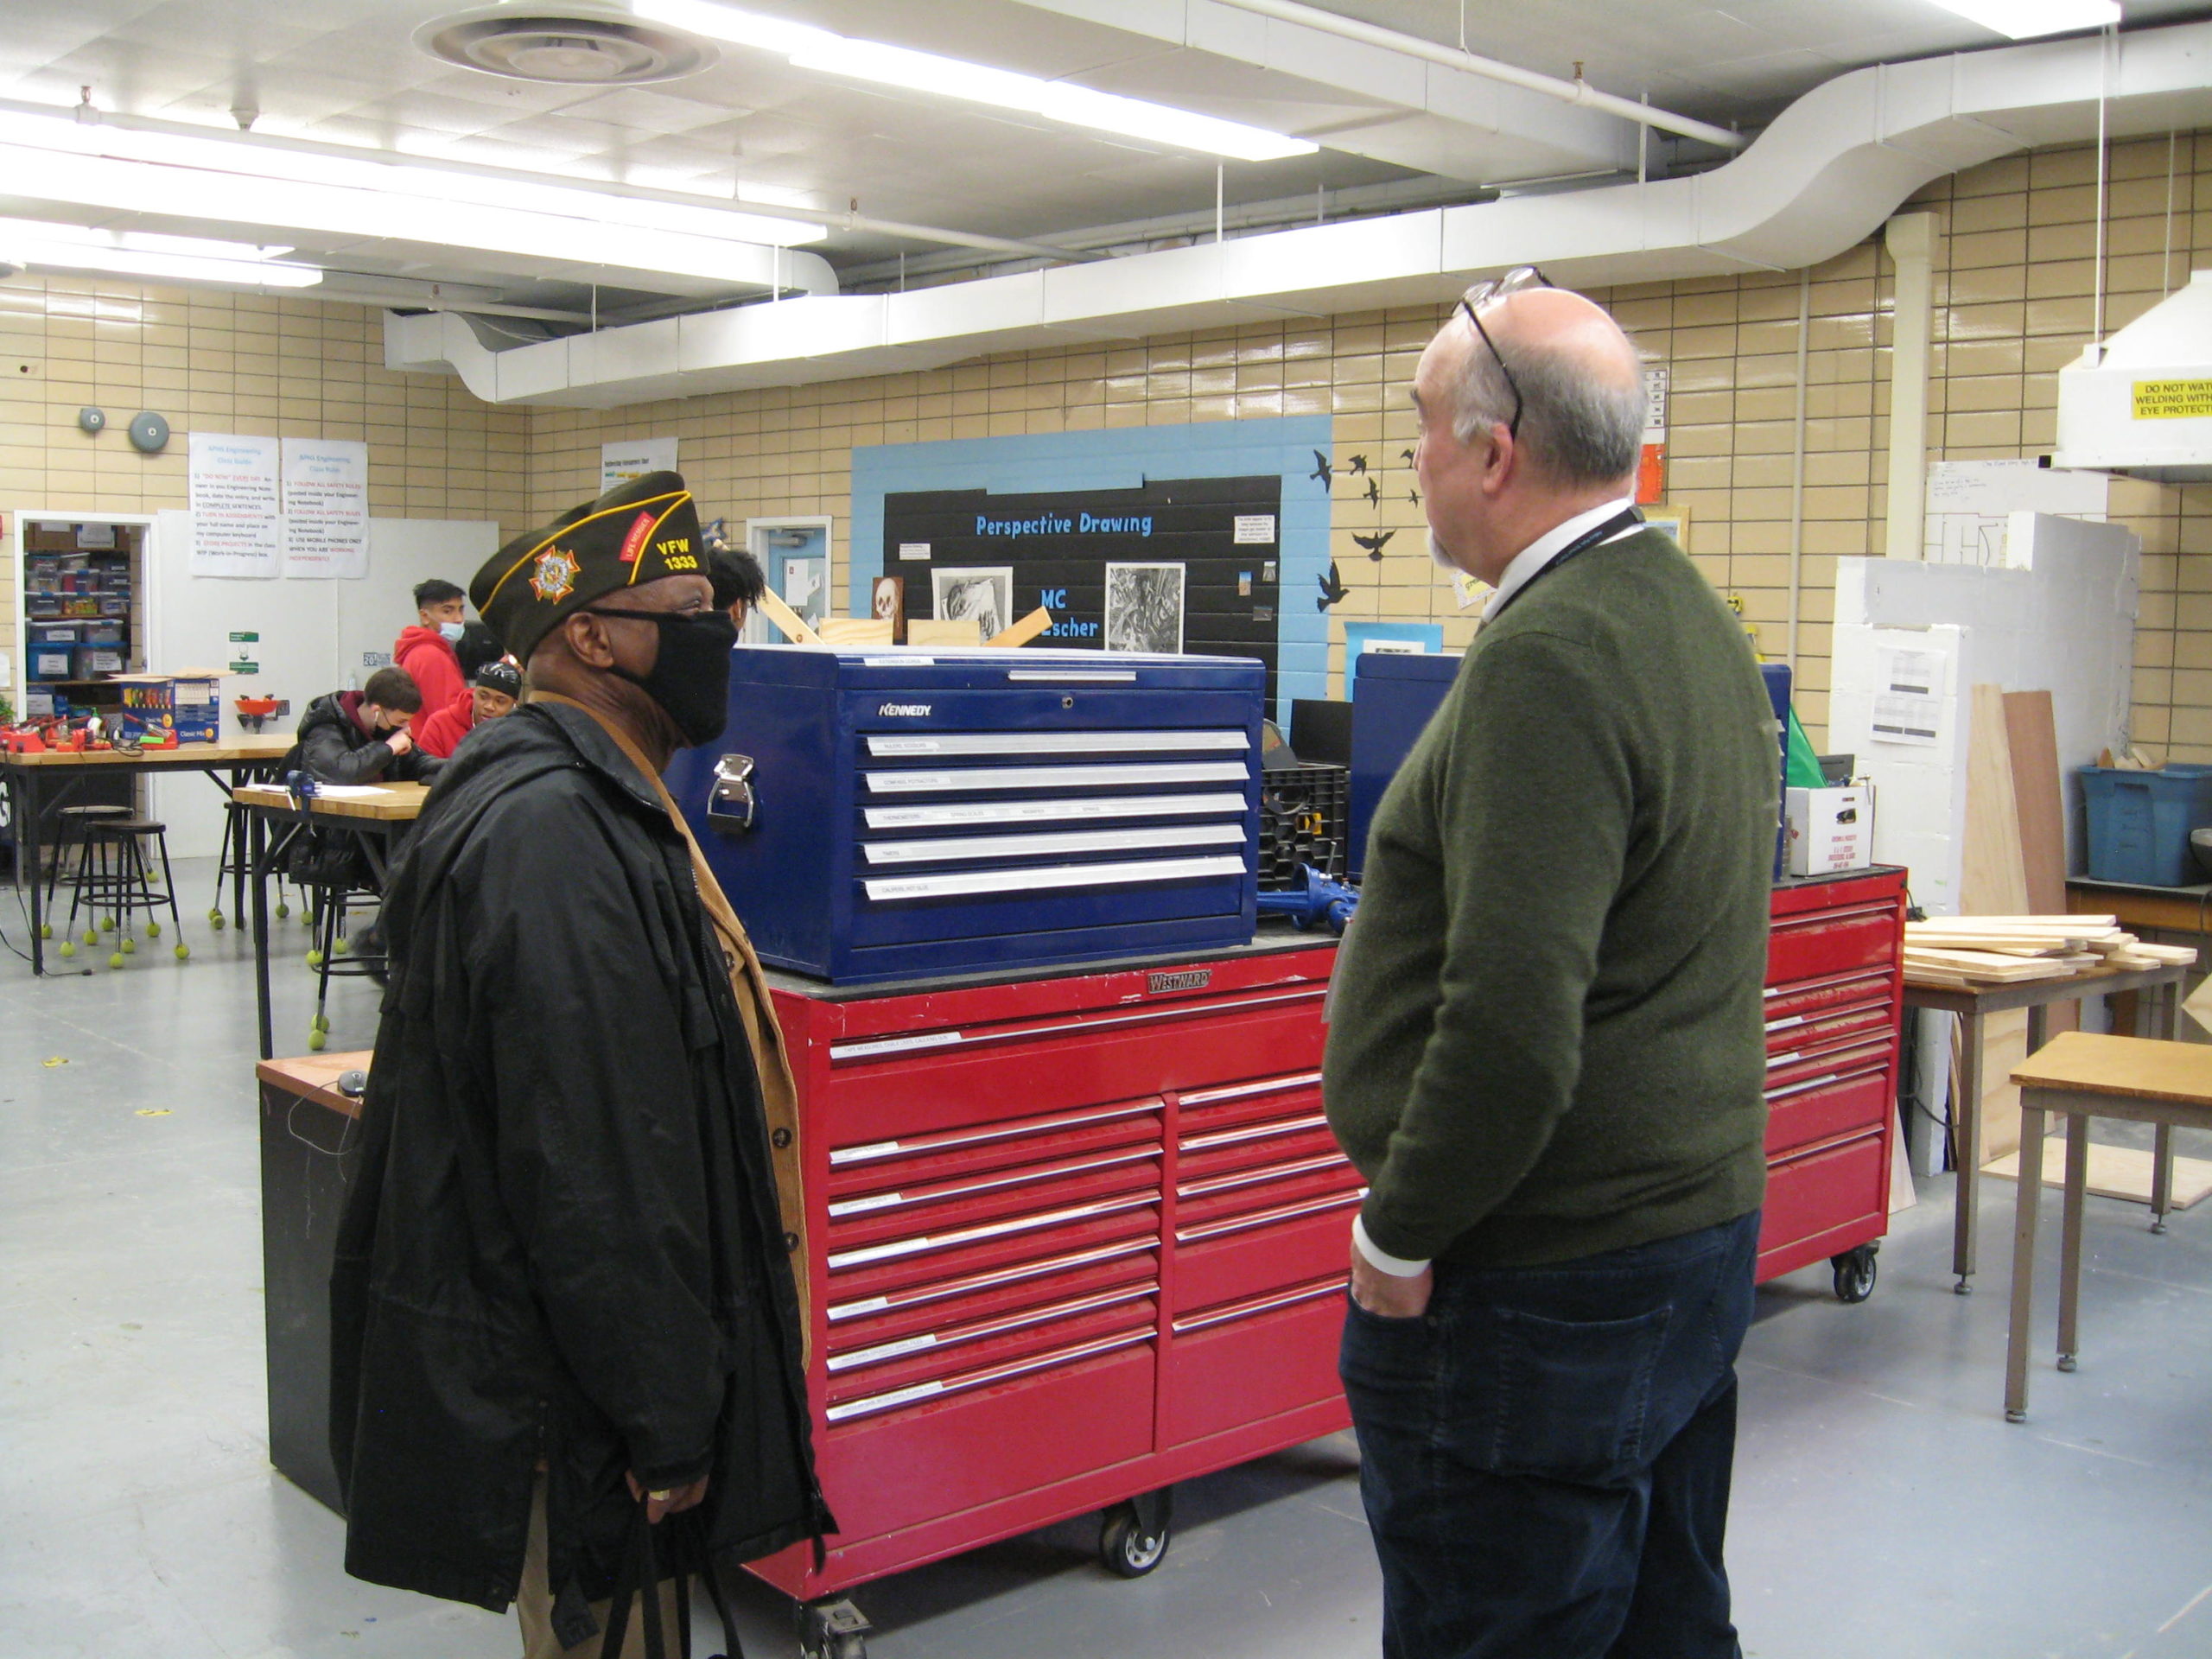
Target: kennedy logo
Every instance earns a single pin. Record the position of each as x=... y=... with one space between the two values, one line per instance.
x=907 y=710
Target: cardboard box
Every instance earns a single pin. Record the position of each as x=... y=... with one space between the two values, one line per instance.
x=190 y=703
x=1830 y=829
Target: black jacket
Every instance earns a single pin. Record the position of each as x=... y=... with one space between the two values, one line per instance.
x=562 y=1241
x=333 y=747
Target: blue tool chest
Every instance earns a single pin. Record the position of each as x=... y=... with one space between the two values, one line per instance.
x=885 y=813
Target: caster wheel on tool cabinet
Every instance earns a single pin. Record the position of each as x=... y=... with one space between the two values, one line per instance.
x=1854 y=1273
x=832 y=1629
x=1126 y=1546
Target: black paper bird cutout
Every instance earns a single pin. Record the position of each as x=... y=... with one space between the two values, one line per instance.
x=1405 y=455
x=1322 y=470
x=1358 y=465
x=1375 y=544
x=1413 y=496
x=1374 y=492
x=1332 y=589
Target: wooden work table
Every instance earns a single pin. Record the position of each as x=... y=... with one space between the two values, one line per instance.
x=2178 y=910
x=372 y=819
x=39 y=784
x=2081 y=1075
x=390 y=804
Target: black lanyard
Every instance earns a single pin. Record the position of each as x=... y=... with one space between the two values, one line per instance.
x=1587 y=539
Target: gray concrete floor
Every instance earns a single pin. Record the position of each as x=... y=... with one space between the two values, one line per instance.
x=1883 y=1506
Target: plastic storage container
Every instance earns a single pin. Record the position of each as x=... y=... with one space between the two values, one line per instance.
x=2139 y=822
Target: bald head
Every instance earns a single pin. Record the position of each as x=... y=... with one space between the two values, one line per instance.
x=1580 y=383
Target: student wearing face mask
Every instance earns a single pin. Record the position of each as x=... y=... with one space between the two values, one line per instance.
x=427 y=651
x=564 y=1314
x=362 y=737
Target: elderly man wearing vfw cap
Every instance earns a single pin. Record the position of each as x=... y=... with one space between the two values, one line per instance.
x=565 y=1306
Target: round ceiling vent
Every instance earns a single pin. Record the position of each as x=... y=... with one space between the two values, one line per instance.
x=575 y=43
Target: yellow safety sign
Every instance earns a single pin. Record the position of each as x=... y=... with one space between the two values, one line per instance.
x=2172 y=400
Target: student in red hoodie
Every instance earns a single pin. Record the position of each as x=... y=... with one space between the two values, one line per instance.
x=426 y=650
x=498 y=689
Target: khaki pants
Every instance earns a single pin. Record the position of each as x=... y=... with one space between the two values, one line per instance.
x=534 y=1606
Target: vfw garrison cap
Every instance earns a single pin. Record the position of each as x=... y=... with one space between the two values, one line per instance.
x=639 y=531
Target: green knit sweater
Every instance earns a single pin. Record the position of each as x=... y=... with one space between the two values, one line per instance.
x=1546 y=1039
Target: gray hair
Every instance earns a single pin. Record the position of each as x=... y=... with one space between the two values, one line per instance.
x=1578 y=428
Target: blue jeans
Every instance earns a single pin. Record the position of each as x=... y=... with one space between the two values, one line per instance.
x=1545 y=1454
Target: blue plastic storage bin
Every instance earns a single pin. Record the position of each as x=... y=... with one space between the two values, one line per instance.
x=2139 y=822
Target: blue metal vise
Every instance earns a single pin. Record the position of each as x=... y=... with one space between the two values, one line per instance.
x=1319 y=900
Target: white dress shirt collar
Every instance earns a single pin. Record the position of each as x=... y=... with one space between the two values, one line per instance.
x=1546 y=547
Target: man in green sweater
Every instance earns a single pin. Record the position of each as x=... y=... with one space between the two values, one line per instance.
x=1546 y=1050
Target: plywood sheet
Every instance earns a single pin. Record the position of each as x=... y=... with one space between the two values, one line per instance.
x=2114 y=1172
x=2031 y=745
x=1993 y=882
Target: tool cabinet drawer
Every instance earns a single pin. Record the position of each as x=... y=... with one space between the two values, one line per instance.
x=1832 y=942
x=1794 y=1001
x=1825 y=1189
x=1804 y=1034
x=948 y=1453
x=885 y=1376
x=866 y=1322
x=894 y=1089
x=1235 y=1365
x=1246 y=1254
x=1829 y=1104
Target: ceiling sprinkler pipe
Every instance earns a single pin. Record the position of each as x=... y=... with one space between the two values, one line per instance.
x=1567 y=92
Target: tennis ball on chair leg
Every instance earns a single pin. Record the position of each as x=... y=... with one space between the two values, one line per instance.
x=314 y=958
x=183 y=951
x=153 y=930
x=115 y=960
x=316 y=1039
x=68 y=947
x=130 y=947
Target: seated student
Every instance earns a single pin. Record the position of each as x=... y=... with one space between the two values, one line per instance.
x=426 y=650
x=361 y=737
x=498 y=689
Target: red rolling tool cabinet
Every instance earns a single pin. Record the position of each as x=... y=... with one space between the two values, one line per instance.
x=1835 y=1005
x=1073 y=1239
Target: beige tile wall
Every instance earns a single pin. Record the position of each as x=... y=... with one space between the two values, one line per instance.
x=226 y=363
x=2014 y=282
x=2013 y=302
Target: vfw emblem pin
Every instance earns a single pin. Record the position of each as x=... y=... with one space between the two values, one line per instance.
x=556 y=576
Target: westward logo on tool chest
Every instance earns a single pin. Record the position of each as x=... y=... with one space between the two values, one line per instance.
x=1186 y=979
x=917 y=711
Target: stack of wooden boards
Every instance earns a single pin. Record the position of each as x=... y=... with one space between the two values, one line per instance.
x=1967 y=952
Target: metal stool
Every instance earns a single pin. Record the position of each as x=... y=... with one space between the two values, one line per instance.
x=234 y=862
x=121 y=881
x=70 y=825
x=327 y=907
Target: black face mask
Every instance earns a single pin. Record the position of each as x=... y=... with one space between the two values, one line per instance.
x=690 y=677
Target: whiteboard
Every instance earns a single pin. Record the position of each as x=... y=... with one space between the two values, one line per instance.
x=314 y=633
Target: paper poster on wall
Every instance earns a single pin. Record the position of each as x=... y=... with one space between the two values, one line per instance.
x=982 y=595
x=634 y=458
x=1651 y=464
x=237 y=508
x=325 y=508
x=1144 y=608
x=1909 y=696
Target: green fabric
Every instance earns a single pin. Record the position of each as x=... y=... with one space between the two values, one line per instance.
x=1803 y=765
x=1547 y=1037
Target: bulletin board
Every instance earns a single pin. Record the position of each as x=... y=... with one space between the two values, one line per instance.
x=1176 y=565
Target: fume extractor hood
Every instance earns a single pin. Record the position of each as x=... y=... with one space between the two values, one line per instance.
x=2143 y=405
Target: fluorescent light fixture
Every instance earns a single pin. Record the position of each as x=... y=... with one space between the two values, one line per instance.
x=253 y=165
x=165 y=267
x=821 y=52
x=124 y=169
x=2022 y=20
x=196 y=247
